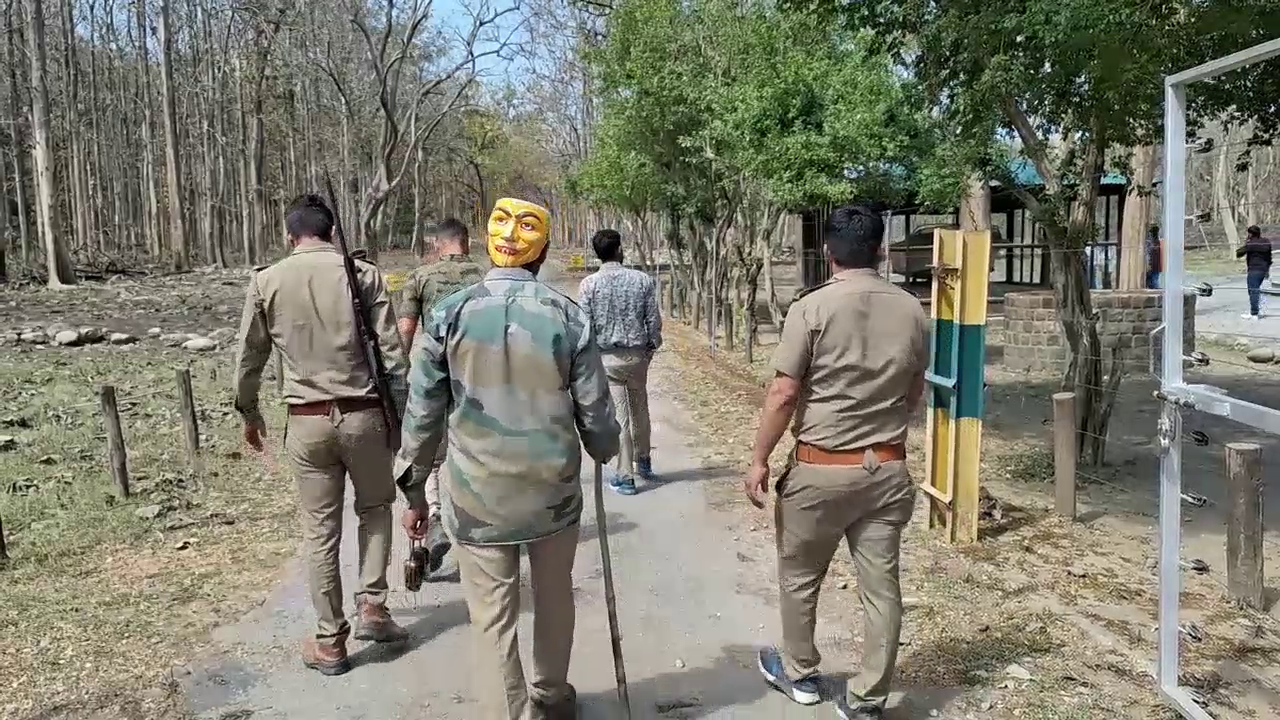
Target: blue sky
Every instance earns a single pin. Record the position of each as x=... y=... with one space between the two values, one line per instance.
x=453 y=14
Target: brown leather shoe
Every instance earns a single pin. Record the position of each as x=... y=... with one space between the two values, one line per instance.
x=566 y=709
x=375 y=623
x=328 y=657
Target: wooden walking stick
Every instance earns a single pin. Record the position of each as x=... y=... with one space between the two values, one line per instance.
x=615 y=636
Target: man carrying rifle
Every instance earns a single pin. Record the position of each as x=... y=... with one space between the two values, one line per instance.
x=339 y=422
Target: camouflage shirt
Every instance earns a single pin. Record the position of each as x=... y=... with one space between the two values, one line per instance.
x=429 y=283
x=509 y=367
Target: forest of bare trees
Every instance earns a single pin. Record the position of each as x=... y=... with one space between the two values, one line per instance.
x=171 y=133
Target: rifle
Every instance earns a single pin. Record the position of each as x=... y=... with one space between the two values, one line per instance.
x=364 y=326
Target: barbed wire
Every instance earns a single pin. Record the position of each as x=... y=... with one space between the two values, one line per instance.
x=131 y=397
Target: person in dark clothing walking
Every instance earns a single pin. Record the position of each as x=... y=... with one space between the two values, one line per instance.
x=1155 y=257
x=1256 y=252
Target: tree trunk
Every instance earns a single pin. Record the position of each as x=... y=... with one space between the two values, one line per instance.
x=61 y=272
x=1095 y=396
x=416 y=241
x=76 y=162
x=1222 y=199
x=155 y=235
x=180 y=258
x=975 y=207
x=18 y=152
x=1137 y=218
x=1250 y=192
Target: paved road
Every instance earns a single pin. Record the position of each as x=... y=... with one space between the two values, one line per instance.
x=691 y=608
x=1220 y=313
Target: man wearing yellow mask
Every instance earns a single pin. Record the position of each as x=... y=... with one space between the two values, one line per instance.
x=509 y=368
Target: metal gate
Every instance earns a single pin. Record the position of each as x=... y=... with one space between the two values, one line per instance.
x=1177 y=395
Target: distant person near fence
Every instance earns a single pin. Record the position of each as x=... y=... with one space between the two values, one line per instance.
x=1154 y=248
x=1256 y=252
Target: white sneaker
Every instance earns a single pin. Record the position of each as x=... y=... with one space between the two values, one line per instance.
x=1247 y=316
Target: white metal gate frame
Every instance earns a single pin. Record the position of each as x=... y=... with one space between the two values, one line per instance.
x=1175 y=392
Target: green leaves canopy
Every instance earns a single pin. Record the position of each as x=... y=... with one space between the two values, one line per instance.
x=700 y=97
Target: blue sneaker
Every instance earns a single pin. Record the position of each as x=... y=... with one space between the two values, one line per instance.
x=645 y=468
x=623 y=484
x=804 y=692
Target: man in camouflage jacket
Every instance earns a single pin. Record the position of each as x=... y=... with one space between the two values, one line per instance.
x=452 y=270
x=509 y=368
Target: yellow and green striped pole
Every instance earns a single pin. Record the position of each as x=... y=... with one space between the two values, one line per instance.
x=956 y=380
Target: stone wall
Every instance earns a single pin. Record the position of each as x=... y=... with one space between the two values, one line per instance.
x=1033 y=338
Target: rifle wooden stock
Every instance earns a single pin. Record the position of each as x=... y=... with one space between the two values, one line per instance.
x=369 y=346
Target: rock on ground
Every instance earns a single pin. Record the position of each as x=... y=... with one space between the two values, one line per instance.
x=200 y=344
x=223 y=336
x=1261 y=355
x=116 y=338
x=68 y=338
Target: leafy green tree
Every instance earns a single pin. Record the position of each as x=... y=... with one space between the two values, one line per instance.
x=724 y=116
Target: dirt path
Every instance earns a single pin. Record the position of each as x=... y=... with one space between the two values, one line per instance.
x=689 y=630
x=693 y=600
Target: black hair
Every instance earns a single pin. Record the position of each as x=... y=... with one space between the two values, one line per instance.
x=608 y=245
x=1253 y=231
x=853 y=235
x=451 y=229
x=309 y=216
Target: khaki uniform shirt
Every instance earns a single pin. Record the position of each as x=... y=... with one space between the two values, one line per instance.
x=302 y=307
x=856 y=343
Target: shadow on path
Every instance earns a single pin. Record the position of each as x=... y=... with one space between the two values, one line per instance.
x=729 y=681
x=429 y=624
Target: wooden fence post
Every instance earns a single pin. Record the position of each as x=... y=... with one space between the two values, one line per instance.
x=4 y=549
x=187 y=410
x=117 y=456
x=1244 y=524
x=1064 y=454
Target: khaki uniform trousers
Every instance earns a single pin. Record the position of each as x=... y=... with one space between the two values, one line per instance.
x=324 y=450
x=628 y=374
x=866 y=506
x=491 y=581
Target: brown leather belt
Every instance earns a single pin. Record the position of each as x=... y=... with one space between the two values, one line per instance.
x=812 y=455
x=344 y=405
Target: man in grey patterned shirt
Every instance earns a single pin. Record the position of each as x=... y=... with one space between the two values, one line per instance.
x=627 y=324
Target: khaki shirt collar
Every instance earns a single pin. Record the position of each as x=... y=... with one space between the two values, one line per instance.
x=300 y=250
x=851 y=273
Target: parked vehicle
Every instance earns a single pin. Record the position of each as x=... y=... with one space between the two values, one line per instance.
x=912 y=256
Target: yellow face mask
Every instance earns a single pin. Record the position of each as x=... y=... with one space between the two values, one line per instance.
x=518 y=232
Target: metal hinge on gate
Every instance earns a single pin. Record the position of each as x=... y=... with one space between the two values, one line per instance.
x=944 y=270
x=1165 y=428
